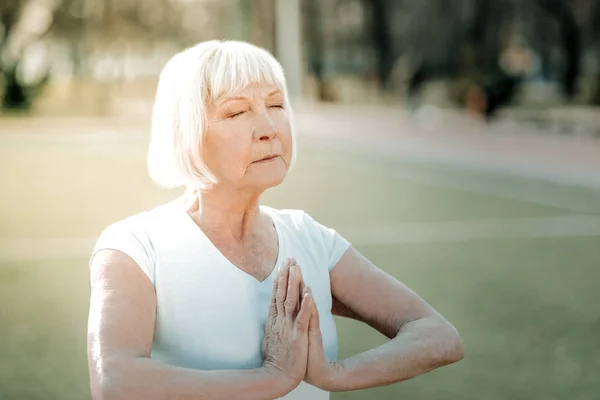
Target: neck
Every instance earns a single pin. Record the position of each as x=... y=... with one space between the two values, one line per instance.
x=227 y=212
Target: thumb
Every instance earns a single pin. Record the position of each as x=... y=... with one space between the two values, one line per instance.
x=314 y=330
x=304 y=316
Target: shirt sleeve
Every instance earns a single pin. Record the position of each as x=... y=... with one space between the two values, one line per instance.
x=335 y=244
x=124 y=236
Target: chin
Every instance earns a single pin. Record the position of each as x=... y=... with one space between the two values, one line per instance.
x=267 y=176
x=270 y=181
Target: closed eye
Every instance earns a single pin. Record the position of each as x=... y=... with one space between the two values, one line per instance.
x=237 y=114
x=276 y=106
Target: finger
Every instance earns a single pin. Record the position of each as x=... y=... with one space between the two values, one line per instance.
x=293 y=295
x=314 y=329
x=281 y=289
x=273 y=304
x=302 y=285
x=303 y=319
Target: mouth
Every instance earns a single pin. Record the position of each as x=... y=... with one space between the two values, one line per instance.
x=266 y=159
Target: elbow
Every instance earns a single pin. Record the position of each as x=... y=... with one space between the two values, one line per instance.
x=104 y=388
x=107 y=391
x=106 y=384
x=456 y=349
x=451 y=346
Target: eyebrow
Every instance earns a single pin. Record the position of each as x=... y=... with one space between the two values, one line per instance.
x=237 y=98
x=244 y=98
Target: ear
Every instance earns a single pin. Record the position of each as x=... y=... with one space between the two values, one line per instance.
x=191 y=199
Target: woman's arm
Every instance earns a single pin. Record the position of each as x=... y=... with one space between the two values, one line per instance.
x=421 y=339
x=120 y=331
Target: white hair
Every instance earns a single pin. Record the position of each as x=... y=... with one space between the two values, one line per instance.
x=188 y=82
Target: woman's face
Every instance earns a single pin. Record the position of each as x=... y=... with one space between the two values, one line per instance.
x=248 y=142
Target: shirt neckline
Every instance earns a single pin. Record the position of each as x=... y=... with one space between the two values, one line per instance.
x=220 y=256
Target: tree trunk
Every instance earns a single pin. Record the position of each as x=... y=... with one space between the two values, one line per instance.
x=15 y=95
x=382 y=40
x=571 y=43
x=313 y=29
x=596 y=96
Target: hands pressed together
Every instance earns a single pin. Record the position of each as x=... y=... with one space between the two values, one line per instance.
x=293 y=346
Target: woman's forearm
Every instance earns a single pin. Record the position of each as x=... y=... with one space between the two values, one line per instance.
x=419 y=347
x=144 y=378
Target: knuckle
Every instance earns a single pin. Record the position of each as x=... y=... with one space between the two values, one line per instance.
x=301 y=325
x=269 y=320
x=279 y=297
x=289 y=305
x=274 y=328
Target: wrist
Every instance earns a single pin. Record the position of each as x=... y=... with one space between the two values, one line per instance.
x=335 y=377
x=276 y=383
x=331 y=379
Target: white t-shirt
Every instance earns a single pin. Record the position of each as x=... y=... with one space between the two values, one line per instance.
x=210 y=314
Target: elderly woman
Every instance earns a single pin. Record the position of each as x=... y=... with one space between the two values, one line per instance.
x=214 y=296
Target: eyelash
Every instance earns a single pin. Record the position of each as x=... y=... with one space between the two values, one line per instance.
x=241 y=112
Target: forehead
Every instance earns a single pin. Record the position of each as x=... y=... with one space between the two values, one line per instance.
x=253 y=91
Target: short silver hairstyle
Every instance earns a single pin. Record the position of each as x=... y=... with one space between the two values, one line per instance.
x=188 y=83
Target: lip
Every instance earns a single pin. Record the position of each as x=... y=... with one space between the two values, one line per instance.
x=267 y=159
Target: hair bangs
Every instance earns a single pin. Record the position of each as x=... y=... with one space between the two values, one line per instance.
x=234 y=66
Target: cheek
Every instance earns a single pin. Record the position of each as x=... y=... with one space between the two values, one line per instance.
x=285 y=136
x=233 y=155
x=226 y=153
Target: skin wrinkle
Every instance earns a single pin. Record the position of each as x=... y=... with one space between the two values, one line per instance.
x=228 y=212
x=389 y=329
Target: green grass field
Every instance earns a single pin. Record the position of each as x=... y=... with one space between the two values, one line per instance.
x=525 y=300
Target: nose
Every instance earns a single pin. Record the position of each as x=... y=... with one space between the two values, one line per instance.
x=265 y=128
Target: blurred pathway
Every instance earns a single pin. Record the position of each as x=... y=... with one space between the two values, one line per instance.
x=446 y=138
x=431 y=135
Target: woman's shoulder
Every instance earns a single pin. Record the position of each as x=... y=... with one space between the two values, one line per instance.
x=294 y=218
x=323 y=241
x=136 y=234
x=145 y=220
x=299 y=221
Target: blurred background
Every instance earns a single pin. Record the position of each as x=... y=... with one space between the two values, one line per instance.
x=455 y=143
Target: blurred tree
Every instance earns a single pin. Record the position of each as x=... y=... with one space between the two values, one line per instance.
x=489 y=84
x=379 y=27
x=94 y=31
x=485 y=51
x=595 y=45
x=22 y=23
x=509 y=39
x=434 y=43
x=261 y=14
x=315 y=48
x=570 y=42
